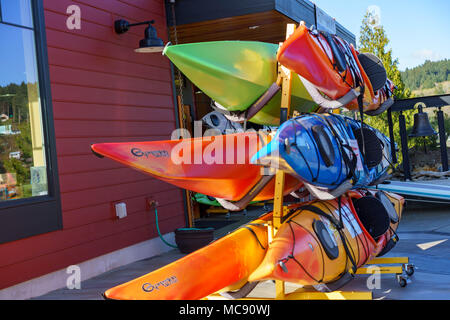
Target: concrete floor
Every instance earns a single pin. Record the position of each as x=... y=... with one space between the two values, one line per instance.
x=421 y=225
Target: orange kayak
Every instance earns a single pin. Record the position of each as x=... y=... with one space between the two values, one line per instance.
x=222 y=265
x=333 y=66
x=310 y=248
x=217 y=166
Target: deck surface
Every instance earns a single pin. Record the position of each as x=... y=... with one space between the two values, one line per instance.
x=424 y=232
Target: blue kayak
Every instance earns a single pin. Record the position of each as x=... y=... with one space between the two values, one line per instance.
x=330 y=153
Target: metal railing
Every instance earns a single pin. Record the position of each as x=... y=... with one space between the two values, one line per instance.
x=437 y=101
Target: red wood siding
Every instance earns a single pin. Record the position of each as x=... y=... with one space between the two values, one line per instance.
x=102 y=91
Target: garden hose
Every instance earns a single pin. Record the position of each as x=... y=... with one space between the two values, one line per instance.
x=159 y=232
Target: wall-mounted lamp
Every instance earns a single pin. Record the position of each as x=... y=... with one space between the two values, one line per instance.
x=151 y=42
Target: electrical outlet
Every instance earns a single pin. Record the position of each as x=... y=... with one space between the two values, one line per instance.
x=118 y=210
x=121 y=210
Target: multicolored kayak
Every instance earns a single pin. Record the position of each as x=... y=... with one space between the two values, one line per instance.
x=217 y=166
x=229 y=263
x=222 y=265
x=329 y=65
x=330 y=153
x=322 y=241
x=236 y=74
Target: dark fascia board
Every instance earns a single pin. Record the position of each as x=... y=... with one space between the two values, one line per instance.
x=304 y=10
x=297 y=10
x=345 y=34
x=192 y=11
x=430 y=102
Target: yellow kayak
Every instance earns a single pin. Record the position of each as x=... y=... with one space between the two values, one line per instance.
x=306 y=249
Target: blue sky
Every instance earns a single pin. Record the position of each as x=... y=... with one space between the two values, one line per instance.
x=417 y=29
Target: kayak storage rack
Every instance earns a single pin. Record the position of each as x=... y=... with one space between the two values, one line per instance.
x=399 y=266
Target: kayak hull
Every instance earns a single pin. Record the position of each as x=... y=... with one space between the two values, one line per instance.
x=216 y=166
x=222 y=265
x=309 y=147
x=310 y=55
x=235 y=74
x=300 y=253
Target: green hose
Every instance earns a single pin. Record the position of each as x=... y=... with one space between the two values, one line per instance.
x=159 y=232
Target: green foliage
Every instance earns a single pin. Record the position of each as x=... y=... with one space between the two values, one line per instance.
x=23 y=140
x=373 y=39
x=434 y=121
x=22 y=172
x=17 y=95
x=14 y=102
x=427 y=75
x=440 y=89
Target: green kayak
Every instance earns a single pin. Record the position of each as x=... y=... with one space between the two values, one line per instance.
x=204 y=199
x=236 y=73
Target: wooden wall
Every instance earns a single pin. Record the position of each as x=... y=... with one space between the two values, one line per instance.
x=102 y=91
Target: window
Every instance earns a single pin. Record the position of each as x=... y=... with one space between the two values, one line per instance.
x=29 y=201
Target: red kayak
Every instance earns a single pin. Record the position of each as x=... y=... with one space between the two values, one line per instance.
x=217 y=166
x=329 y=65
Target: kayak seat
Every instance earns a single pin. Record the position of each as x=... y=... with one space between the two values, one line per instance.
x=372 y=214
x=215 y=120
x=219 y=122
x=393 y=216
x=324 y=144
x=374 y=69
x=326 y=239
x=369 y=146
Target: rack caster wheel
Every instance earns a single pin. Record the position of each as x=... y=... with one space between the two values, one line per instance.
x=409 y=269
x=402 y=281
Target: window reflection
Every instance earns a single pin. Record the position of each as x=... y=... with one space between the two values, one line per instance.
x=22 y=153
x=17 y=12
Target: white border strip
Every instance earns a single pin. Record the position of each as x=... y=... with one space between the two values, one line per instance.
x=89 y=269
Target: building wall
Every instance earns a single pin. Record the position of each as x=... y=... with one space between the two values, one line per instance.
x=102 y=91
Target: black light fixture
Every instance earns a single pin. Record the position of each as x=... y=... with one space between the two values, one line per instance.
x=151 y=42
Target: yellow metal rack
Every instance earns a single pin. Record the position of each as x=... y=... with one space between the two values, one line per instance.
x=399 y=266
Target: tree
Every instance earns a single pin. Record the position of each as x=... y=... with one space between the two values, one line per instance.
x=427 y=75
x=373 y=39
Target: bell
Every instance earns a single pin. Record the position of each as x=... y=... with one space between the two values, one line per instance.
x=422 y=126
